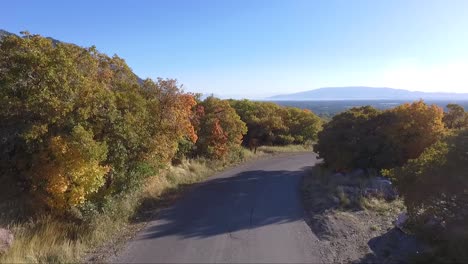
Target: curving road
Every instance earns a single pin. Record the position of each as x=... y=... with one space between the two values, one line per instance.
x=250 y=214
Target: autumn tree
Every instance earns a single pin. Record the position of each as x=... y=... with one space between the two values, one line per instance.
x=171 y=119
x=301 y=126
x=69 y=169
x=408 y=130
x=263 y=120
x=455 y=117
x=220 y=128
x=49 y=93
x=366 y=138
x=271 y=124
x=79 y=125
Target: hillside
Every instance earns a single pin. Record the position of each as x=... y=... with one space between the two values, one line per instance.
x=4 y=33
x=367 y=93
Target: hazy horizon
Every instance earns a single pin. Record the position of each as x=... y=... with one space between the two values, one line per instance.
x=272 y=96
x=258 y=49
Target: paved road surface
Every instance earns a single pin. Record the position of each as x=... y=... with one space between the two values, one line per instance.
x=251 y=213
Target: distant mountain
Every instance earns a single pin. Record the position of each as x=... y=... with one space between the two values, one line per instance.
x=367 y=93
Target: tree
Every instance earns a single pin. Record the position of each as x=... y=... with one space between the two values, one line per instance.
x=434 y=188
x=456 y=117
x=344 y=142
x=53 y=96
x=366 y=138
x=408 y=130
x=170 y=117
x=78 y=125
x=220 y=128
x=269 y=123
x=301 y=125
x=263 y=120
x=69 y=169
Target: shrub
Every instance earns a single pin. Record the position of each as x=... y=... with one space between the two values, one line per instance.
x=220 y=129
x=78 y=125
x=69 y=169
x=367 y=138
x=435 y=184
x=271 y=124
x=455 y=117
x=407 y=130
x=434 y=188
x=345 y=141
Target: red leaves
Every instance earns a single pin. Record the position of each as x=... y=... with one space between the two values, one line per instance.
x=218 y=140
x=219 y=128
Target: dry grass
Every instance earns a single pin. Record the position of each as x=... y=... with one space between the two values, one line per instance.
x=346 y=221
x=287 y=148
x=382 y=206
x=46 y=240
x=333 y=186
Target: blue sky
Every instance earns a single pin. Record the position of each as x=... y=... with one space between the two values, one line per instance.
x=248 y=48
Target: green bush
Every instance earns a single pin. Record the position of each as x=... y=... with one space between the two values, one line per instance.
x=271 y=124
x=434 y=188
x=346 y=141
x=365 y=137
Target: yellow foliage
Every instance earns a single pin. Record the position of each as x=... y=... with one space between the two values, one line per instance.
x=69 y=169
x=415 y=126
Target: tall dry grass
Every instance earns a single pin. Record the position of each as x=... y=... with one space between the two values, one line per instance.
x=287 y=148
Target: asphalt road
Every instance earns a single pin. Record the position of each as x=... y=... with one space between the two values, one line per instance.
x=249 y=214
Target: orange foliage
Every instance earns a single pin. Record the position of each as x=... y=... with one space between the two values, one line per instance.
x=218 y=140
x=187 y=103
x=414 y=127
x=171 y=113
x=219 y=128
x=69 y=170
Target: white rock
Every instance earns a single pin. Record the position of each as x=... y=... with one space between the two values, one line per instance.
x=401 y=221
x=6 y=240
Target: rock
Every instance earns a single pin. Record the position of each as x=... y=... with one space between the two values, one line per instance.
x=433 y=223
x=357 y=173
x=381 y=187
x=343 y=179
x=350 y=190
x=6 y=240
x=352 y=193
x=401 y=221
x=335 y=200
x=338 y=176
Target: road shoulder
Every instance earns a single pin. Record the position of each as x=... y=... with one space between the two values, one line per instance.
x=354 y=229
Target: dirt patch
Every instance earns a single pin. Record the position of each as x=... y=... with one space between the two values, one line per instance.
x=353 y=228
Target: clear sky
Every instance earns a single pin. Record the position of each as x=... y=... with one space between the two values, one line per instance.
x=254 y=48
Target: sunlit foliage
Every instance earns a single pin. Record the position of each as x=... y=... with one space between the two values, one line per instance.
x=271 y=124
x=69 y=169
x=220 y=128
x=455 y=117
x=409 y=129
x=80 y=128
x=77 y=123
x=367 y=138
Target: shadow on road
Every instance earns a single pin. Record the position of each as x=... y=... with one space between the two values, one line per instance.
x=247 y=200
